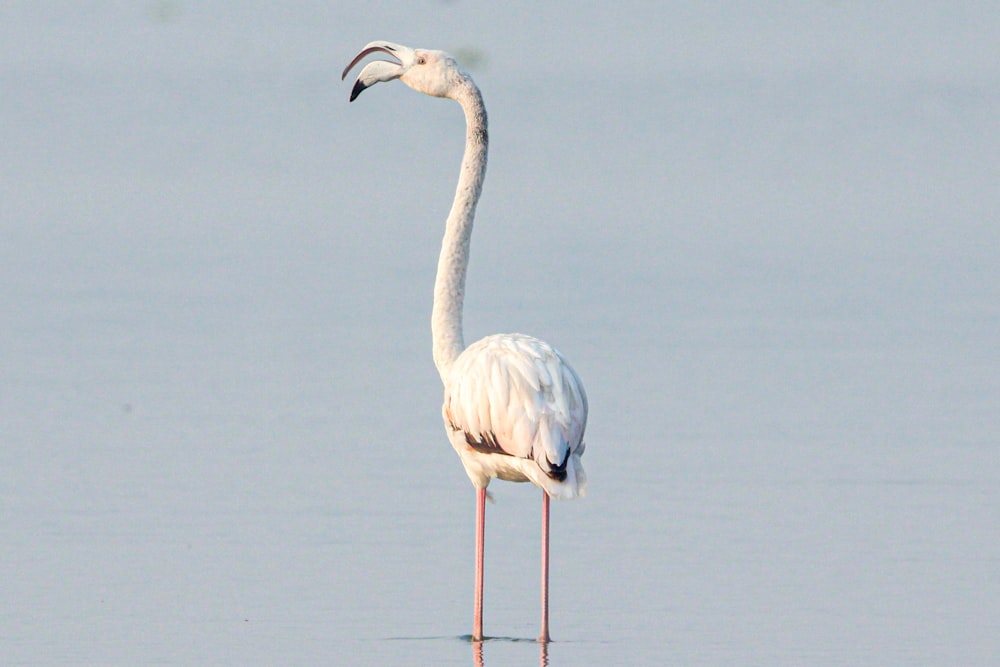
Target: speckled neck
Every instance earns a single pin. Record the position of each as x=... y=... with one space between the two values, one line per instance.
x=449 y=286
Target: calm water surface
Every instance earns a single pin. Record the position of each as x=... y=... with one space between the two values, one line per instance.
x=769 y=245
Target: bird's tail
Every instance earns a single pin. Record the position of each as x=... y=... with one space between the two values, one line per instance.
x=575 y=483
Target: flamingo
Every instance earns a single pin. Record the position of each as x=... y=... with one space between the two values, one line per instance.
x=514 y=409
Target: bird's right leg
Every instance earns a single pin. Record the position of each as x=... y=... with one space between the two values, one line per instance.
x=544 y=637
x=477 y=619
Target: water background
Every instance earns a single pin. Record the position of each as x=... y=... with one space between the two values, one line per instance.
x=768 y=239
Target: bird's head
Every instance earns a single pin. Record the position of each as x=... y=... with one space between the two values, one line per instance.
x=430 y=72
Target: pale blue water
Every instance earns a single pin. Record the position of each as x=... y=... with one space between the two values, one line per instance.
x=769 y=243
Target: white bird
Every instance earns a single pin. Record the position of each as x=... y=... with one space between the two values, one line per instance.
x=513 y=408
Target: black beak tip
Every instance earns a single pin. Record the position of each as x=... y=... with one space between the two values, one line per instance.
x=358 y=87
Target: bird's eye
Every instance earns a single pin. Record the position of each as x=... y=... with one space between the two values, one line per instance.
x=421 y=60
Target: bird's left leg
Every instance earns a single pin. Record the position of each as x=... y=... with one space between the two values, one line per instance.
x=477 y=618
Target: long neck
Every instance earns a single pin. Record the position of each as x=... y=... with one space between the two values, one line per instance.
x=449 y=287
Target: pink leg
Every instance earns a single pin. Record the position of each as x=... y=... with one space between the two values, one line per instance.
x=544 y=635
x=477 y=619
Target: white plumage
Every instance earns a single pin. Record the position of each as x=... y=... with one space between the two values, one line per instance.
x=513 y=408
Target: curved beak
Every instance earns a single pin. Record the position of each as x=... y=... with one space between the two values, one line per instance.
x=380 y=70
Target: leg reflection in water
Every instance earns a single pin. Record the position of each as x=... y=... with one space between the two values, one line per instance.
x=477 y=654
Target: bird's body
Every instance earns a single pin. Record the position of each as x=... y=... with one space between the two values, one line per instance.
x=513 y=408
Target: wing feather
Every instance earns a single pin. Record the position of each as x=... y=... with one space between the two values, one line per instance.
x=516 y=395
